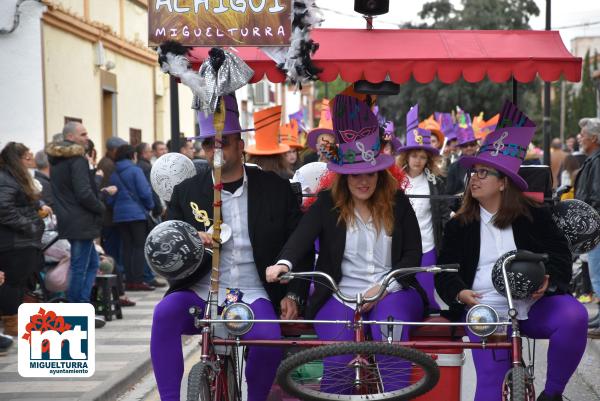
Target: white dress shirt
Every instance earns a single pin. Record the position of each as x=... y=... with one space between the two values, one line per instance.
x=422 y=207
x=495 y=242
x=367 y=258
x=236 y=266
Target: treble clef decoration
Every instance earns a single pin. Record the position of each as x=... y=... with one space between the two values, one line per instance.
x=499 y=144
x=367 y=155
x=418 y=137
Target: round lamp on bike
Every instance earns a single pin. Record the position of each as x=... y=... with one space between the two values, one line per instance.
x=238 y=311
x=173 y=250
x=483 y=314
x=524 y=277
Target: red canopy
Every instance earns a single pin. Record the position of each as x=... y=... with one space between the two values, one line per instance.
x=356 y=54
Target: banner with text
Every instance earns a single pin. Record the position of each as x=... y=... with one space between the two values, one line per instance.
x=220 y=22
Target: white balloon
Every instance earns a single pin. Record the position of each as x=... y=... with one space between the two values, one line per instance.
x=169 y=170
x=309 y=176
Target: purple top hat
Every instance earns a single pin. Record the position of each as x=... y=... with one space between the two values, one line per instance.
x=506 y=147
x=464 y=133
x=232 y=120
x=358 y=148
x=447 y=125
x=417 y=138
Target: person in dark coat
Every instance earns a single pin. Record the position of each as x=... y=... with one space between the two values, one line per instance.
x=131 y=205
x=262 y=212
x=42 y=174
x=587 y=189
x=467 y=145
x=419 y=159
x=78 y=207
x=496 y=218
x=143 y=153
x=21 y=229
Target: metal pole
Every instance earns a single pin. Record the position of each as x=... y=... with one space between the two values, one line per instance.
x=515 y=92
x=563 y=107
x=174 y=98
x=546 y=128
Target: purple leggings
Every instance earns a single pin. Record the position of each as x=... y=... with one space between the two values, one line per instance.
x=426 y=279
x=562 y=320
x=404 y=305
x=171 y=320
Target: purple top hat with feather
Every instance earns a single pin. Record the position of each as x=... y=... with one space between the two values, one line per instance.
x=464 y=133
x=447 y=125
x=232 y=120
x=417 y=138
x=358 y=149
x=506 y=147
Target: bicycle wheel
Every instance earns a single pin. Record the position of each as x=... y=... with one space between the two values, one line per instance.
x=199 y=382
x=358 y=371
x=202 y=381
x=518 y=385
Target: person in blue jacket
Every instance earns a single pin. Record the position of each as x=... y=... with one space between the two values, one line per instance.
x=131 y=204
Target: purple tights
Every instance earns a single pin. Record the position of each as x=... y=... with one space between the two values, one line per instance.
x=171 y=320
x=403 y=305
x=426 y=279
x=562 y=320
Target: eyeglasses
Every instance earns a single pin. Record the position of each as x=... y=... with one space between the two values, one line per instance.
x=482 y=173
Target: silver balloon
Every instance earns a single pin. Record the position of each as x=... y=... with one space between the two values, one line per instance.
x=169 y=170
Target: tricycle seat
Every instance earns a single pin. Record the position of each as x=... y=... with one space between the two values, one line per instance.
x=437 y=332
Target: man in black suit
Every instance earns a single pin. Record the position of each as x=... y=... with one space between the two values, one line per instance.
x=262 y=212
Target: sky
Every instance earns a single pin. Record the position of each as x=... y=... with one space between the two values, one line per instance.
x=565 y=13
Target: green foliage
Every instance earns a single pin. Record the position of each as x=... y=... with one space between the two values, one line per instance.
x=486 y=96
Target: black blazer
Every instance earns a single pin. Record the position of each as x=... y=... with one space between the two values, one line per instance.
x=321 y=221
x=273 y=213
x=440 y=212
x=462 y=242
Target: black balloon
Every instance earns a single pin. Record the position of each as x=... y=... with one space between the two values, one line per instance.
x=580 y=224
x=173 y=250
x=524 y=278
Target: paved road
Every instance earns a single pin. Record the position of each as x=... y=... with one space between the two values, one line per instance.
x=122 y=350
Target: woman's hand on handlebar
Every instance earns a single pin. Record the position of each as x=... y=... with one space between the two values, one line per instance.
x=274 y=271
x=468 y=297
x=369 y=293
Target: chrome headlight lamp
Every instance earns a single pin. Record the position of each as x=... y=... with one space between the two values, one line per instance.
x=238 y=311
x=483 y=314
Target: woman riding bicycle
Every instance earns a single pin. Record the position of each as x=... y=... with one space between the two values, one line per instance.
x=496 y=217
x=366 y=227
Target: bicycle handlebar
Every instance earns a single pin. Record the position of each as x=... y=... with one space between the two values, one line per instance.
x=359 y=299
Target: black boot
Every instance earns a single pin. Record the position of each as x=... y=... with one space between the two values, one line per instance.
x=546 y=397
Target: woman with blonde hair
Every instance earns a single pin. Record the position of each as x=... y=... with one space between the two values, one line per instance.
x=419 y=160
x=366 y=228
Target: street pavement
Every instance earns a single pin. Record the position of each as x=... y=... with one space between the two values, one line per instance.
x=122 y=359
x=124 y=370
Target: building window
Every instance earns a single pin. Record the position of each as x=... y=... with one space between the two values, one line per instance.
x=73 y=119
x=135 y=136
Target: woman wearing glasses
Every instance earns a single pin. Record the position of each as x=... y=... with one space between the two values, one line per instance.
x=366 y=228
x=494 y=218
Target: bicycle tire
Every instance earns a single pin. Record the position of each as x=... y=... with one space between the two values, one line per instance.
x=517 y=385
x=198 y=388
x=428 y=366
